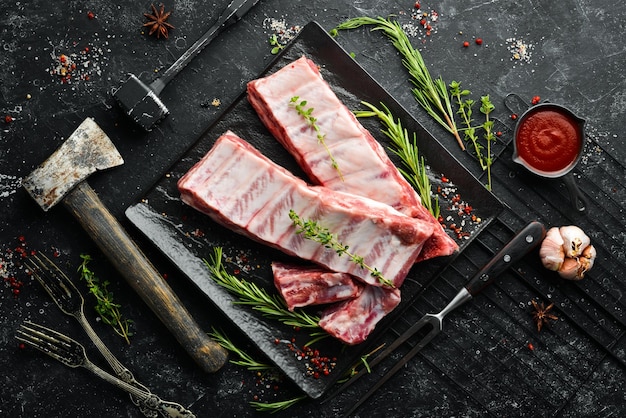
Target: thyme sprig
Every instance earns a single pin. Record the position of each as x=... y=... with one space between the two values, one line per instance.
x=431 y=93
x=486 y=108
x=470 y=132
x=406 y=149
x=108 y=311
x=276 y=45
x=307 y=115
x=363 y=361
x=315 y=232
x=250 y=294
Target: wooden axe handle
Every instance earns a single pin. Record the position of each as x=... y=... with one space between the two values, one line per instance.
x=139 y=272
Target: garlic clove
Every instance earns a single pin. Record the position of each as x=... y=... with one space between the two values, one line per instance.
x=587 y=258
x=571 y=269
x=574 y=240
x=551 y=251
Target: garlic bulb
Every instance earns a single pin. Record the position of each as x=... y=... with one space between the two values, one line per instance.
x=568 y=251
x=551 y=251
x=575 y=240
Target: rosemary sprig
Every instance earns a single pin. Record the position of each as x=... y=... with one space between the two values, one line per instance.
x=313 y=231
x=470 y=132
x=276 y=406
x=406 y=149
x=245 y=360
x=431 y=94
x=250 y=294
x=307 y=115
x=108 y=311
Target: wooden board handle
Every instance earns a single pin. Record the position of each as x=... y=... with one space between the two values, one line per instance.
x=142 y=276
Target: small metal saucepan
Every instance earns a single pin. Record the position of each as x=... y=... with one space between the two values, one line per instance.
x=548 y=141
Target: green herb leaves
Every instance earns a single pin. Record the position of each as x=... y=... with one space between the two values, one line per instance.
x=108 y=310
x=245 y=360
x=471 y=130
x=257 y=298
x=313 y=231
x=307 y=115
x=431 y=94
x=406 y=148
x=276 y=45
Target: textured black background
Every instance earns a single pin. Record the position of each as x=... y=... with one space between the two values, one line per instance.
x=576 y=59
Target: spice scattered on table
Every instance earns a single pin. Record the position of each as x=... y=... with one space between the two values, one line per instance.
x=79 y=65
x=460 y=216
x=520 y=50
x=316 y=365
x=281 y=33
x=11 y=267
x=9 y=185
x=421 y=23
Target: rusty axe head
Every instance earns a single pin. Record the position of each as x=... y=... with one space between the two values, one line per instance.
x=86 y=151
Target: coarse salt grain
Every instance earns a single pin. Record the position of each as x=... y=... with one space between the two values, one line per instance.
x=520 y=51
x=279 y=27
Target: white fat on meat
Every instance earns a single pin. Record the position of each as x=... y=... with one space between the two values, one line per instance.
x=363 y=166
x=352 y=321
x=312 y=285
x=241 y=188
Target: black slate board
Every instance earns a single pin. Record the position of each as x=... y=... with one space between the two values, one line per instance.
x=186 y=236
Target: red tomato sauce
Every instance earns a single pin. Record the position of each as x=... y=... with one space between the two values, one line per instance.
x=548 y=140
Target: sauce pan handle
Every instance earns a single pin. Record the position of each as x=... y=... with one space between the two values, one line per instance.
x=576 y=196
x=515 y=104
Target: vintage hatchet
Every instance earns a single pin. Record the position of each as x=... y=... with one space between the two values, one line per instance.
x=61 y=178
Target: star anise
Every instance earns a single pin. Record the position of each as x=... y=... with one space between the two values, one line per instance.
x=157 y=22
x=542 y=314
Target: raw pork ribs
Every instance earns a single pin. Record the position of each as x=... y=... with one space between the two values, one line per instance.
x=363 y=166
x=241 y=188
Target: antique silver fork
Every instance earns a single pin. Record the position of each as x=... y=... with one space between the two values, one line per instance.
x=69 y=299
x=71 y=353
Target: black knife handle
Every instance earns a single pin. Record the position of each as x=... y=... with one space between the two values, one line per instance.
x=520 y=245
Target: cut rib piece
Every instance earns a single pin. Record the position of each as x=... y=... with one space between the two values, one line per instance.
x=312 y=285
x=353 y=320
x=363 y=166
x=239 y=187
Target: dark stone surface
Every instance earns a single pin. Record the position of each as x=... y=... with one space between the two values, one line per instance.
x=574 y=56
